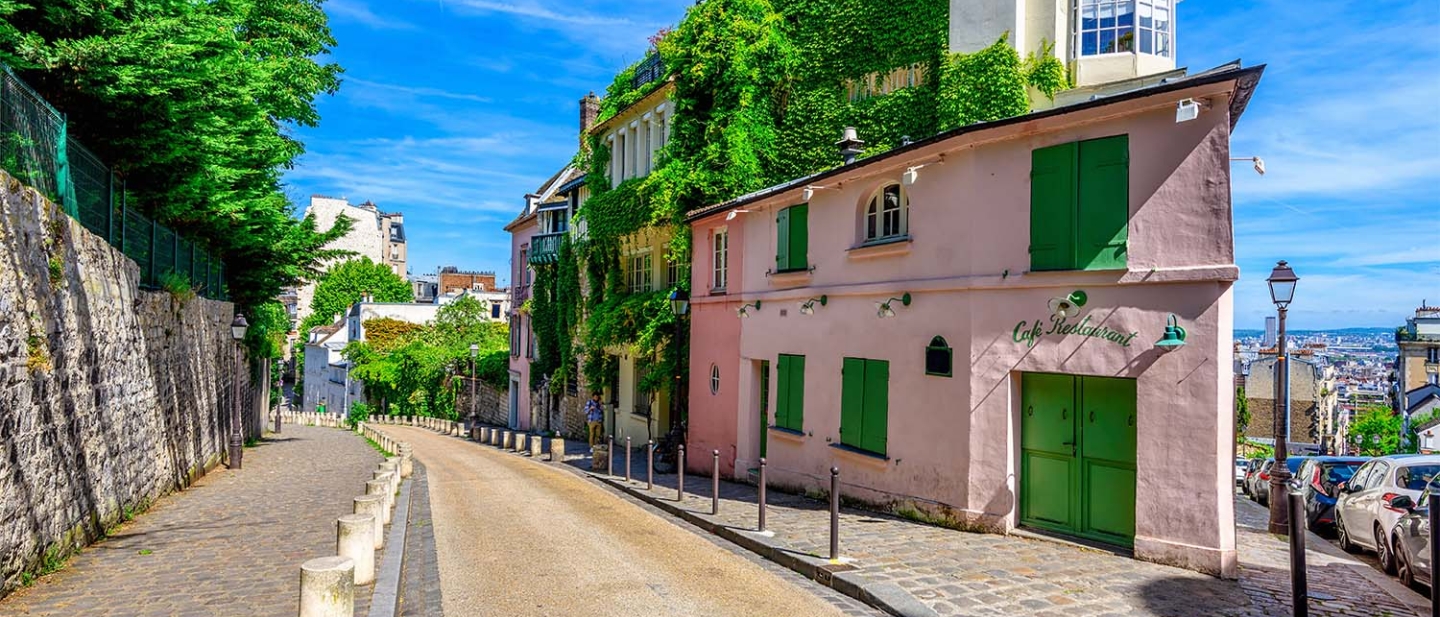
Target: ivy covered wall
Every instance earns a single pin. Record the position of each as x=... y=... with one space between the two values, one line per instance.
x=762 y=90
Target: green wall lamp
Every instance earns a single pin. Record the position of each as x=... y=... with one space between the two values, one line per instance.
x=1174 y=337
x=808 y=307
x=744 y=311
x=884 y=310
x=1069 y=306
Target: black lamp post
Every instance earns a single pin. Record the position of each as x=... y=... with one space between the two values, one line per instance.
x=1282 y=290
x=237 y=438
x=680 y=306
x=474 y=353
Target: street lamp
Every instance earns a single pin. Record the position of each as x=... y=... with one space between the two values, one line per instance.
x=1282 y=290
x=474 y=352
x=679 y=305
x=237 y=439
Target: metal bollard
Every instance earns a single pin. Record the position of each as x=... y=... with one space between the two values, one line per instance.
x=1298 y=591
x=714 y=482
x=762 y=494
x=680 y=473
x=650 y=465
x=627 y=459
x=834 y=513
x=610 y=454
x=1434 y=550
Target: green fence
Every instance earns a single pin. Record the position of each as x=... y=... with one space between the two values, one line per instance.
x=35 y=148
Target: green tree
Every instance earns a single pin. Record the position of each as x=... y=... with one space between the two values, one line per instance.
x=1242 y=414
x=193 y=104
x=1375 y=431
x=347 y=282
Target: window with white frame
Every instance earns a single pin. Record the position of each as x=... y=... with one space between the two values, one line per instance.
x=720 y=263
x=887 y=214
x=672 y=270
x=638 y=273
x=1124 y=26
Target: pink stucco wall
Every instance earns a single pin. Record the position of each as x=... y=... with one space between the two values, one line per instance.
x=953 y=442
x=715 y=341
x=520 y=236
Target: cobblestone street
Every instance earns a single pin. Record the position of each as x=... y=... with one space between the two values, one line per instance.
x=958 y=573
x=231 y=545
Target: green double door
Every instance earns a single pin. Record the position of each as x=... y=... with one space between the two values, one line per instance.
x=1077 y=460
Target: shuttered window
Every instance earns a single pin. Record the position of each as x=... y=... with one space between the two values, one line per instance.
x=1080 y=205
x=792 y=242
x=865 y=404
x=790 y=393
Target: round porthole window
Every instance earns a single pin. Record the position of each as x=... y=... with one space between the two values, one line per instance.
x=714 y=379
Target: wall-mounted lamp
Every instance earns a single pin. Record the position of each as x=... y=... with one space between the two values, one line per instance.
x=1069 y=306
x=1259 y=163
x=744 y=311
x=911 y=175
x=734 y=213
x=1186 y=110
x=1174 y=337
x=810 y=190
x=808 y=307
x=883 y=310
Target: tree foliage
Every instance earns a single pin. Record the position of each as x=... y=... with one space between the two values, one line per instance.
x=415 y=372
x=1375 y=431
x=192 y=104
x=347 y=282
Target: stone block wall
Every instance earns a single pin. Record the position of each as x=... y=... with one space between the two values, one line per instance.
x=110 y=396
x=492 y=405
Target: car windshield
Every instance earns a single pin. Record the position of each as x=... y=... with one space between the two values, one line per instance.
x=1335 y=473
x=1416 y=477
x=1295 y=462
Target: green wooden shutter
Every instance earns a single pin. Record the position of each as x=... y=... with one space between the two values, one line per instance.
x=1103 y=213
x=782 y=241
x=799 y=236
x=1052 y=207
x=796 y=417
x=782 y=391
x=877 y=406
x=852 y=402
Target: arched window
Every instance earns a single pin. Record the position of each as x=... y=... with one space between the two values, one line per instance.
x=939 y=358
x=887 y=215
x=714 y=379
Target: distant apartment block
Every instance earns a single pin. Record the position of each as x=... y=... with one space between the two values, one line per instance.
x=374 y=234
x=1417 y=365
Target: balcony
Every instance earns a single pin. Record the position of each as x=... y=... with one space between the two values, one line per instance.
x=651 y=69
x=519 y=294
x=545 y=248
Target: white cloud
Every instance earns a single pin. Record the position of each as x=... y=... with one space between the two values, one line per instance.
x=358 y=12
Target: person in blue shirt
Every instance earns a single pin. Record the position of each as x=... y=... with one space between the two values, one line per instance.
x=595 y=418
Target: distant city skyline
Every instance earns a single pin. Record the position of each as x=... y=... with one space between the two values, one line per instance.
x=453 y=129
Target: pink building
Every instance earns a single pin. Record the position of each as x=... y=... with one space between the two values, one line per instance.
x=1022 y=323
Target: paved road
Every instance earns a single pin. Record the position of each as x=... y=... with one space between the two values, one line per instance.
x=518 y=538
x=231 y=545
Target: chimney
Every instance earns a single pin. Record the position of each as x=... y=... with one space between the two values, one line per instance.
x=850 y=145
x=589 y=111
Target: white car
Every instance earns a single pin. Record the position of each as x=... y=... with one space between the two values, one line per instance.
x=1363 y=516
x=1242 y=465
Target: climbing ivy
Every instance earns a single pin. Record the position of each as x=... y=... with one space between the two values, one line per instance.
x=762 y=89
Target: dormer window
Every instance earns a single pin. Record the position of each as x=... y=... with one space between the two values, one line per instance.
x=887 y=214
x=1124 y=26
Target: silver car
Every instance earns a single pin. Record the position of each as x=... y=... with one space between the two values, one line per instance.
x=1364 y=514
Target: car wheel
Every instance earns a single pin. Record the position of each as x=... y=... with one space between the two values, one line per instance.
x=1405 y=572
x=1343 y=539
x=1383 y=552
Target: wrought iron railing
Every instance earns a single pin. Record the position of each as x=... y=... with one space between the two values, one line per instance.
x=545 y=248
x=652 y=68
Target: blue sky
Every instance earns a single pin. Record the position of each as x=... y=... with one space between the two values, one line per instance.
x=452 y=110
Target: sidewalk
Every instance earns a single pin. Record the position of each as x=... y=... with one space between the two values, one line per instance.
x=910 y=568
x=230 y=545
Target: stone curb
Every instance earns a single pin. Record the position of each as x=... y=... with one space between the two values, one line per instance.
x=385 y=601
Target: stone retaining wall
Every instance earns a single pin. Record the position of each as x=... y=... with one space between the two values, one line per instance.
x=492 y=405
x=110 y=397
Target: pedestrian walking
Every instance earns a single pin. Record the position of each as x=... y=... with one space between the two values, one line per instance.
x=595 y=418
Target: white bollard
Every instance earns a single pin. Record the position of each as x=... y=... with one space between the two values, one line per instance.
x=407 y=465
x=354 y=538
x=522 y=442
x=381 y=488
x=508 y=440
x=374 y=506
x=557 y=449
x=536 y=446
x=327 y=587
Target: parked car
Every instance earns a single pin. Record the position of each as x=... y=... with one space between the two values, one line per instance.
x=1320 y=479
x=1262 y=481
x=1242 y=465
x=1258 y=478
x=1411 y=536
x=1252 y=469
x=1363 y=513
